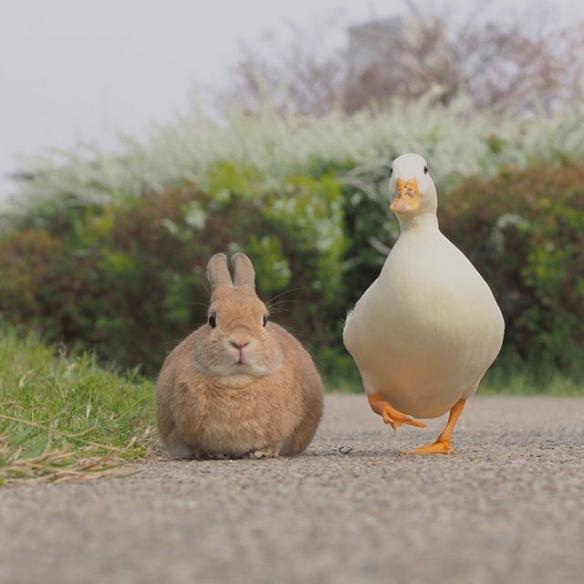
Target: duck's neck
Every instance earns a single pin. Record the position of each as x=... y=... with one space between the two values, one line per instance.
x=414 y=223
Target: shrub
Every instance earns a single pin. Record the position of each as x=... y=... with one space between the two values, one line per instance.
x=524 y=231
x=127 y=277
x=129 y=281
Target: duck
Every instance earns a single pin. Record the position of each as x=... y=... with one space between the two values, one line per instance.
x=428 y=328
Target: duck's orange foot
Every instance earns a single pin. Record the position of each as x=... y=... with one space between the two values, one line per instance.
x=390 y=415
x=395 y=418
x=438 y=447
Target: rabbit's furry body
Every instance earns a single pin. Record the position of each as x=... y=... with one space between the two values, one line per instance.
x=267 y=403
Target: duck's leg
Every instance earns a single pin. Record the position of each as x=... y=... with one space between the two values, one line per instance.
x=443 y=445
x=389 y=414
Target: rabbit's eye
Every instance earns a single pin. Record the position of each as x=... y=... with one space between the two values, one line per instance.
x=265 y=320
x=212 y=321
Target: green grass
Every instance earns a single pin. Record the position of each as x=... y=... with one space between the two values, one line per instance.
x=506 y=377
x=527 y=382
x=496 y=382
x=67 y=417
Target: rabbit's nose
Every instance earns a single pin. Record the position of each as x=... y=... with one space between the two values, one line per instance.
x=239 y=345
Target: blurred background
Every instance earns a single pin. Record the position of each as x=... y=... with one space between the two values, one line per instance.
x=139 y=138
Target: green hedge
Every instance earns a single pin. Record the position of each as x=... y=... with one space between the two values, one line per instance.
x=524 y=231
x=128 y=279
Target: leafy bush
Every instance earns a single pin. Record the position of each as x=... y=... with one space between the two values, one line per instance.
x=524 y=231
x=108 y=250
x=128 y=279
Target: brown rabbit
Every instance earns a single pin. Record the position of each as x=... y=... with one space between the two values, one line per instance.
x=239 y=386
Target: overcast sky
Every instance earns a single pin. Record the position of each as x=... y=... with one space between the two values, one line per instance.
x=87 y=69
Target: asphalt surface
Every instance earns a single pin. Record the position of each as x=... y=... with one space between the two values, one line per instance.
x=507 y=507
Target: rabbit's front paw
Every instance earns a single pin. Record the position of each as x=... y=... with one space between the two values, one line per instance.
x=267 y=452
x=216 y=456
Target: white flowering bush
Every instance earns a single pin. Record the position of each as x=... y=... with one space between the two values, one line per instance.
x=107 y=251
x=456 y=141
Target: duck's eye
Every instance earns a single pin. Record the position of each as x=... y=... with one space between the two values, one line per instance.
x=212 y=320
x=390 y=170
x=265 y=319
x=425 y=170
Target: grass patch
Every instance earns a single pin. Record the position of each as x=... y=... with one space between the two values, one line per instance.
x=510 y=377
x=529 y=382
x=496 y=382
x=67 y=418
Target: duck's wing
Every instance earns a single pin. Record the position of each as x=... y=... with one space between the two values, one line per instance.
x=357 y=320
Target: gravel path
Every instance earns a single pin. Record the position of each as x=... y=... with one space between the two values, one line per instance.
x=508 y=507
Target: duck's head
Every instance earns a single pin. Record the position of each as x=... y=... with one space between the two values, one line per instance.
x=411 y=187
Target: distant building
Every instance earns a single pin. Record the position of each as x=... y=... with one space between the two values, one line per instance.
x=395 y=56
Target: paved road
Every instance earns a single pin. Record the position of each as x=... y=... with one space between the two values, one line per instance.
x=508 y=507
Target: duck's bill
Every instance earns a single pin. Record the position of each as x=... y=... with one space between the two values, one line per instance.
x=407 y=196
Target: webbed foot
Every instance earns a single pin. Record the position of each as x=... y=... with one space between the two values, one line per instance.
x=438 y=447
x=390 y=415
x=443 y=445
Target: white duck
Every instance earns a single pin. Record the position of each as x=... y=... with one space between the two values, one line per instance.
x=428 y=328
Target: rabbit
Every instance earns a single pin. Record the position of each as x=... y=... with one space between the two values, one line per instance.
x=240 y=386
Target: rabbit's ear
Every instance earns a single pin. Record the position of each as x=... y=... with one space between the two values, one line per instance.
x=243 y=272
x=218 y=272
